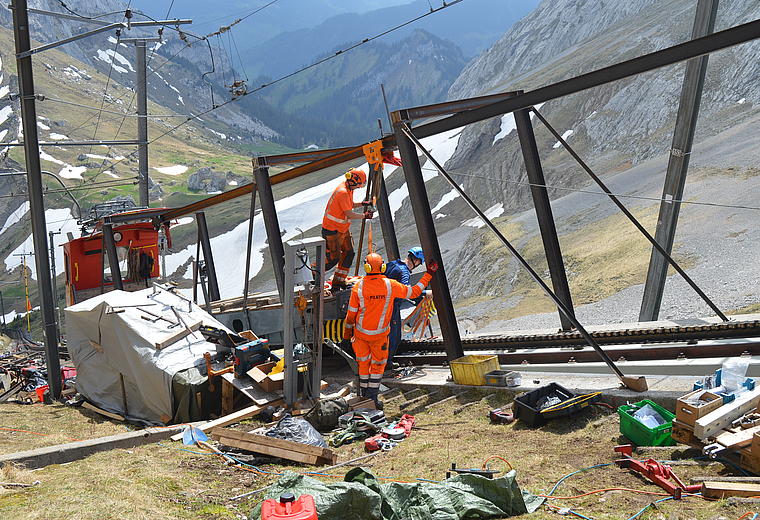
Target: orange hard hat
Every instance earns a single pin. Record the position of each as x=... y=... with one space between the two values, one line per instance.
x=374 y=264
x=356 y=178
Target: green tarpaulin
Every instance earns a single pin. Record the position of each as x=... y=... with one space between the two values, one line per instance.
x=362 y=497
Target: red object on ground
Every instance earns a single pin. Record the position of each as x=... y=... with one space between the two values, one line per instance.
x=407 y=423
x=658 y=473
x=288 y=508
x=41 y=392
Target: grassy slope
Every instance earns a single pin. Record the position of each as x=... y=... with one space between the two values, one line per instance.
x=162 y=481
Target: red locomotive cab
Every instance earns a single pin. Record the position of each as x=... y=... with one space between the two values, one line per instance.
x=86 y=261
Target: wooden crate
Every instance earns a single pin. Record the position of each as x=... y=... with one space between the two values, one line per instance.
x=688 y=413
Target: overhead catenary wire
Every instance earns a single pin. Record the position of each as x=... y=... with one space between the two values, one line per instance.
x=592 y=192
x=289 y=75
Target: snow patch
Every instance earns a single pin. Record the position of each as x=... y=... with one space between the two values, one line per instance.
x=4 y=90
x=232 y=183
x=507 y=125
x=440 y=215
x=16 y=216
x=310 y=147
x=567 y=134
x=445 y=200
x=3 y=133
x=110 y=56
x=223 y=136
x=5 y=113
x=57 y=137
x=55 y=218
x=111 y=174
x=177 y=169
x=42 y=126
x=103 y=157
x=182 y=221
x=741 y=101
x=72 y=172
x=491 y=213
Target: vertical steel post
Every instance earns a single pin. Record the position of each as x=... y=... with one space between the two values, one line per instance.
x=142 y=122
x=34 y=181
x=678 y=164
x=428 y=239
x=271 y=223
x=318 y=306
x=113 y=258
x=54 y=278
x=544 y=212
x=208 y=258
x=290 y=385
x=248 y=253
x=386 y=223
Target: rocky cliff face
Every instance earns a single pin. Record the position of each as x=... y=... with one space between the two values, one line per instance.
x=612 y=127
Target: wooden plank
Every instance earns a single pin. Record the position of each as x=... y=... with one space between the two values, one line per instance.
x=92 y=407
x=232 y=418
x=228 y=394
x=730 y=489
x=273 y=442
x=733 y=440
x=268 y=450
x=251 y=389
x=182 y=333
x=721 y=418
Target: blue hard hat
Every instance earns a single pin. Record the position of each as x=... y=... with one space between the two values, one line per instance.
x=417 y=253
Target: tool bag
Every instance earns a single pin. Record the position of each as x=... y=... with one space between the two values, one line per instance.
x=325 y=414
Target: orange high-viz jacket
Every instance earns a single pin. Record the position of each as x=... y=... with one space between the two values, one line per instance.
x=371 y=304
x=341 y=200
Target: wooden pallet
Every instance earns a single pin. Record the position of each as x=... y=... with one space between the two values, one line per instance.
x=280 y=448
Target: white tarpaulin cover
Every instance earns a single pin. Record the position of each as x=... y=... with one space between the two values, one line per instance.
x=109 y=338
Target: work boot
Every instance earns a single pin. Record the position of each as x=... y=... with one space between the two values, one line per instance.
x=372 y=393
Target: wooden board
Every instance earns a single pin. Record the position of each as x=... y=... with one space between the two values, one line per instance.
x=737 y=439
x=721 y=418
x=232 y=418
x=730 y=489
x=181 y=333
x=251 y=389
x=280 y=448
x=92 y=407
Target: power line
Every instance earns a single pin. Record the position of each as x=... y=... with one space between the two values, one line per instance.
x=319 y=62
x=591 y=192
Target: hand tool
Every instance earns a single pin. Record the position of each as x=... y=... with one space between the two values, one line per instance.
x=656 y=472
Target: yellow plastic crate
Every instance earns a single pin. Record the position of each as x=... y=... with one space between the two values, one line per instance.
x=471 y=370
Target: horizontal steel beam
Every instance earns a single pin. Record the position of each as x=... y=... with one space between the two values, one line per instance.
x=589 y=356
x=79 y=143
x=669 y=56
x=454 y=107
x=104 y=28
x=301 y=157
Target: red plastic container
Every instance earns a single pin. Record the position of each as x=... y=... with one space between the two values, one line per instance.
x=41 y=392
x=288 y=508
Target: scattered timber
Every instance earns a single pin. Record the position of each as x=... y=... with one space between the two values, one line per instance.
x=280 y=448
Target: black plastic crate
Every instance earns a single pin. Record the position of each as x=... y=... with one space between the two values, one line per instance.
x=526 y=406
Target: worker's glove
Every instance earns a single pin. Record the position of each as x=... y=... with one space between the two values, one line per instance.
x=432 y=266
x=348 y=332
x=369 y=214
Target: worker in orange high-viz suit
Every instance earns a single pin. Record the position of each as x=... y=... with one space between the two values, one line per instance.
x=368 y=319
x=336 y=226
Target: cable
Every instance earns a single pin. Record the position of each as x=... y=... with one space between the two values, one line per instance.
x=579 y=190
x=485 y=462
x=648 y=506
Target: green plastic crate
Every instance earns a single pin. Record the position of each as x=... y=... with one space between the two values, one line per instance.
x=642 y=435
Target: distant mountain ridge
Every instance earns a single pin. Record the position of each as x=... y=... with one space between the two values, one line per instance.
x=346 y=91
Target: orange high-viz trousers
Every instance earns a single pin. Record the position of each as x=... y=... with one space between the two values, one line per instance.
x=371 y=356
x=339 y=252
